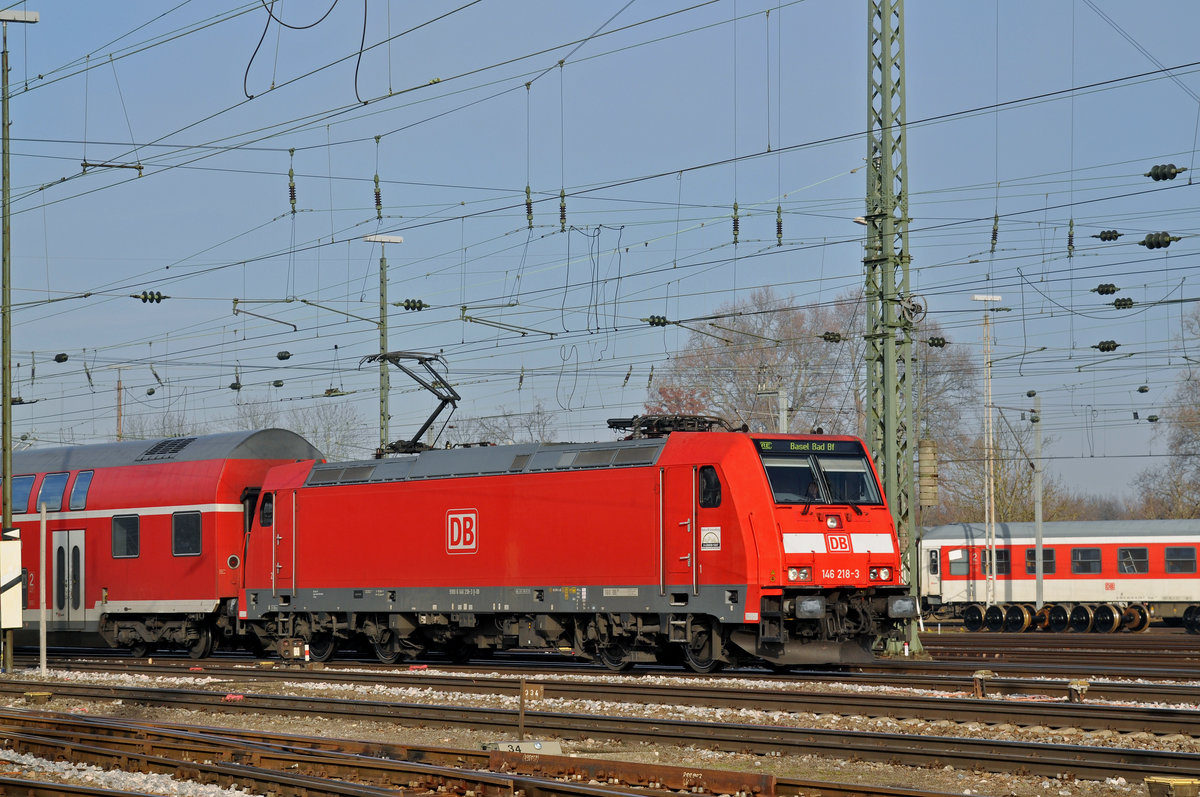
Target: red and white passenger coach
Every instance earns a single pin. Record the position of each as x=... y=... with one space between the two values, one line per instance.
x=1096 y=575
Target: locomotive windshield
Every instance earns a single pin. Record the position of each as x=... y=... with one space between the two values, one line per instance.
x=818 y=472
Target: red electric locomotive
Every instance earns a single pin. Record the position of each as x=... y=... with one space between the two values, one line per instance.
x=146 y=539
x=697 y=546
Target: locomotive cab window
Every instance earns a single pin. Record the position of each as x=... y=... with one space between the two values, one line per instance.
x=185 y=534
x=1085 y=561
x=1133 y=560
x=79 y=489
x=125 y=541
x=266 y=511
x=54 y=485
x=792 y=479
x=1047 y=561
x=849 y=480
x=710 y=487
x=1180 y=558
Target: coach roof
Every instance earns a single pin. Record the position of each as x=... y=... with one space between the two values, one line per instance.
x=1063 y=530
x=259 y=444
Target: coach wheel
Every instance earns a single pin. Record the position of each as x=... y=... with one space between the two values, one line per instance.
x=1081 y=619
x=1041 y=619
x=615 y=658
x=1058 y=618
x=1191 y=619
x=1016 y=618
x=321 y=647
x=993 y=618
x=1136 y=617
x=1106 y=619
x=141 y=649
x=203 y=644
x=973 y=617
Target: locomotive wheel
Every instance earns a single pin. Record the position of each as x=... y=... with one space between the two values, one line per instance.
x=615 y=658
x=203 y=644
x=1059 y=619
x=993 y=618
x=973 y=617
x=321 y=647
x=386 y=650
x=1106 y=619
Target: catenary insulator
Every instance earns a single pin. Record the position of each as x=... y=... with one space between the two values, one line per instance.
x=1107 y=345
x=779 y=225
x=378 y=199
x=831 y=337
x=562 y=209
x=529 y=206
x=937 y=342
x=995 y=231
x=1158 y=240
x=1108 y=235
x=1106 y=289
x=1123 y=303
x=1164 y=171
x=735 y=222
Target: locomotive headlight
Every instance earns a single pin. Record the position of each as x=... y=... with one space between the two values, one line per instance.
x=833 y=522
x=881 y=573
x=799 y=574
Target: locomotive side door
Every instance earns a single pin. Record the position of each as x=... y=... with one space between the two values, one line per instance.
x=679 y=532
x=283 y=558
x=68 y=586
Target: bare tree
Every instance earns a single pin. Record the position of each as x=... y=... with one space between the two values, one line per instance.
x=334 y=427
x=735 y=362
x=534 y=426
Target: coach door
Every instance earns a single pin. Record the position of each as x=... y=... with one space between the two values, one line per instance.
x=68 y=567
x=679 y=532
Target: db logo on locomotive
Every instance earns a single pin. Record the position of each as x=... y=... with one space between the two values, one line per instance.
x=462 y=531
x=838 y=543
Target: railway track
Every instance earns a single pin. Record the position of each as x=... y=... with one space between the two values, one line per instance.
x=1083 y=761
x=287 y=764
x=730 y=692
x=1109 y=651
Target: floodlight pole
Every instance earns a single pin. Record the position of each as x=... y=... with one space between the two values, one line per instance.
x=6 y=17
x=384 y=379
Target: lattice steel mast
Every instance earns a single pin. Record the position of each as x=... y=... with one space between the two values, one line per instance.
x=890 y=368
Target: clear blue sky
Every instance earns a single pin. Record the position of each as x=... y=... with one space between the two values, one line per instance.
x=654 y=128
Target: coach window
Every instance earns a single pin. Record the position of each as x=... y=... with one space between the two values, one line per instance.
x=959 y=564
x=1181 y=559
x=1047 y=561
x=1003 y=566
x=185 y=534
x=126 y=543
x=79 y=489
x=710 y=487
x=934 y=563
x=266 y=512
x=51 y=492
x=22 y=486
x=1133 y=560
x=1085 y=561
